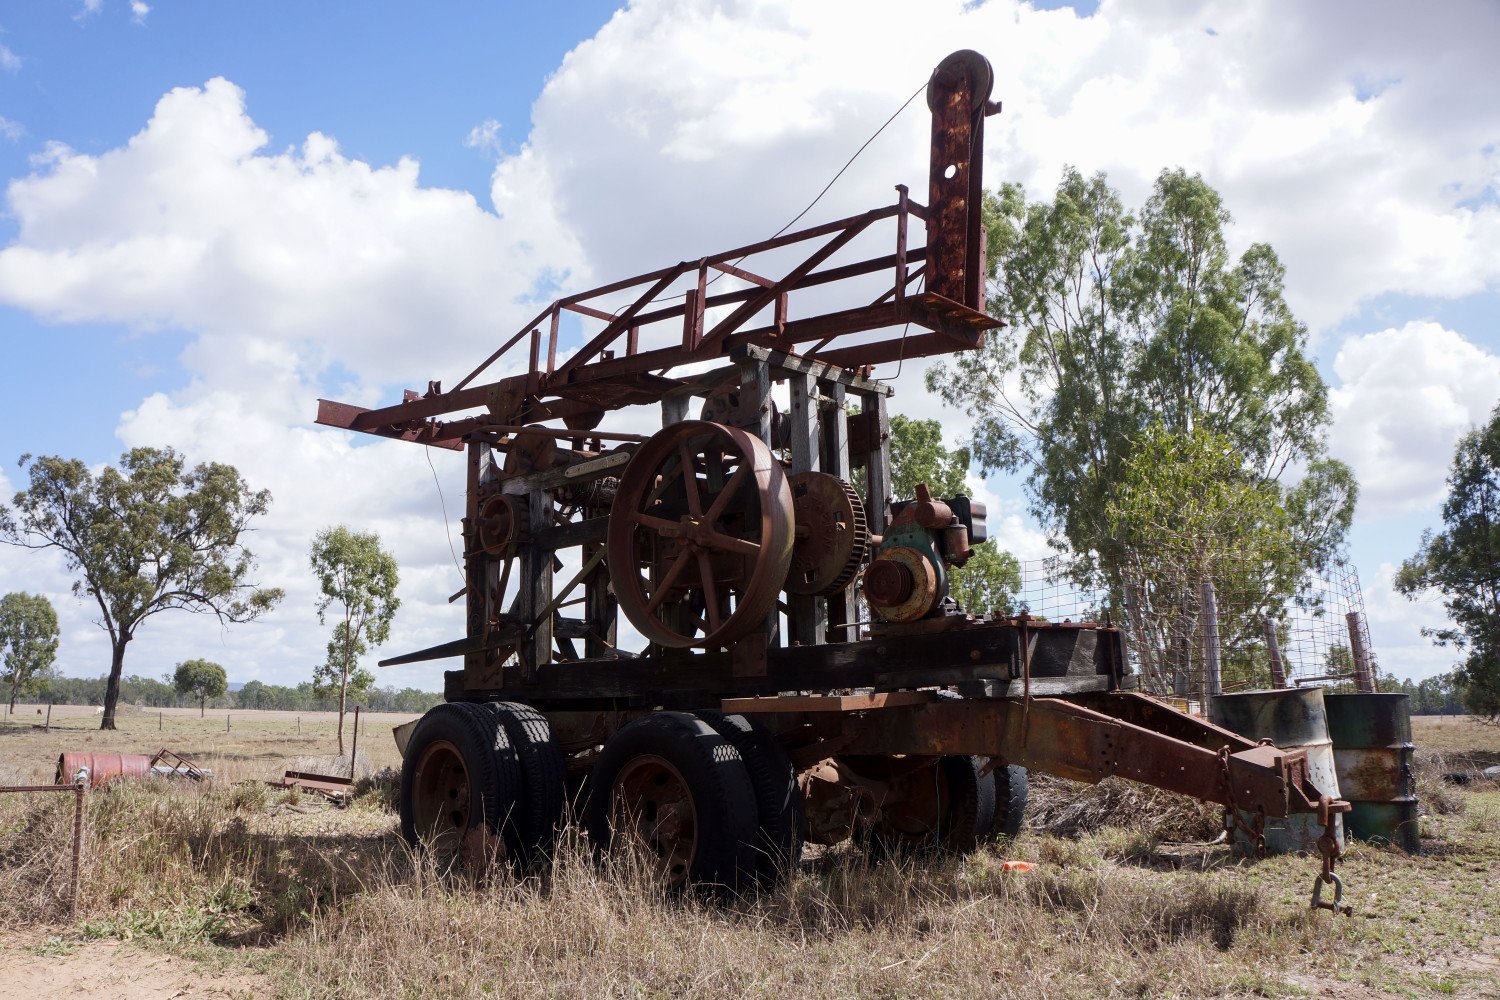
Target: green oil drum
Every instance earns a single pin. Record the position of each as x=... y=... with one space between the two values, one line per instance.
x=1372 y=751
x=1293 y=719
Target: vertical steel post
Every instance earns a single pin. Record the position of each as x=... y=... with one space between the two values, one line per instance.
x=1364 y=678
x=807 y=615
x=1212 y=683
x=1273 y=652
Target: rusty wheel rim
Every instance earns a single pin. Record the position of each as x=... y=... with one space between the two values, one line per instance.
x=440 y=801
x=700 y=535
x=922 y=808
x=652 y=808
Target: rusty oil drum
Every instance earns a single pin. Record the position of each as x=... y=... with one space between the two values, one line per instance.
x=99 y=768
x=1372 y=751
x=1293 y=719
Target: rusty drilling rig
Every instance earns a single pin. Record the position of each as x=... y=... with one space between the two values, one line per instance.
x=791 y=667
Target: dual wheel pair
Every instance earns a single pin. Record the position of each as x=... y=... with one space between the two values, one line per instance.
x=710 y=799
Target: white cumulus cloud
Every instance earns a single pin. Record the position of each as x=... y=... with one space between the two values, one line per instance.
x=1356 y=139
x=1405 y=397
x=194 y=224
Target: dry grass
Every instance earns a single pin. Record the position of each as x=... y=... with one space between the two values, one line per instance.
x=330 y=904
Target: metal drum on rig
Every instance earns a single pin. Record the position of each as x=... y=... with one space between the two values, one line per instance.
x=1372 y=752
x=1293 y=719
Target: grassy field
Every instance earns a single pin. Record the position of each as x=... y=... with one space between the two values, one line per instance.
x=235 y=889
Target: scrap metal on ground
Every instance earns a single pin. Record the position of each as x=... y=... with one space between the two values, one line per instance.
x=792 y=665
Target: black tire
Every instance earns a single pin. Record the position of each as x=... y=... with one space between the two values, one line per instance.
x=971 y=815
x=1011 y=786
x=543 y=779
x=778 y=799
x=459 y=735
x=722 y=799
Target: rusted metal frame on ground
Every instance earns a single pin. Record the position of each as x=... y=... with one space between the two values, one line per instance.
x=77 y=788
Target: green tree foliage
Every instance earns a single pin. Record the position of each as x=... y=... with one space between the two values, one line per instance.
x=1184 y=511
x=200 y=679
x=28 y=639
x=148 y=537
x=1118 y=321
x=988 y=583
x=919 y=456
x=1462 y=563
x=358 y=576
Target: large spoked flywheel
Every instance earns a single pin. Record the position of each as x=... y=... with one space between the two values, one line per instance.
x=700 y=535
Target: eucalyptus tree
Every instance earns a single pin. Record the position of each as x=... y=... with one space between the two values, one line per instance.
x=1462 y=562
x=28 y=639
x=150 y=536
x=356 y=574
x=1116 y=321
x=200 y=679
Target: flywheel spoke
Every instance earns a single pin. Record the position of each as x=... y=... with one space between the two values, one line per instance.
x=663 y=588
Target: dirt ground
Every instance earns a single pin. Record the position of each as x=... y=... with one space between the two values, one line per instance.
x=39 y=965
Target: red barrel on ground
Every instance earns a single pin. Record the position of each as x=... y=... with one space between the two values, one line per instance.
x=97 y=768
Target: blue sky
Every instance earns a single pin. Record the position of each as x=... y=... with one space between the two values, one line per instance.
x=214 y=214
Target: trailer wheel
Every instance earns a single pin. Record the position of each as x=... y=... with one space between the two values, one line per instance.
x=947 y=806
x=1011 y=786
x=669 y=785
x=539 y=814
x=460 y=782
x=778 y=798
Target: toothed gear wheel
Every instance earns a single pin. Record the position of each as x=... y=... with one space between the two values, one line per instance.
x=827 y=555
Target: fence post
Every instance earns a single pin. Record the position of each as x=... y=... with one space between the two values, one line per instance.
x=1210 y=619
x=1273 y=651
x=47 y=727
x=354 y=747
x=1364 y=680
x=77 y=848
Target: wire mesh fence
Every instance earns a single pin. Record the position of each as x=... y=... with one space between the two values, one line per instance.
x=1225 y=623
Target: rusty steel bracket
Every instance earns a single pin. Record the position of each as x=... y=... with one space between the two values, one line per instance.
x=1071 y=740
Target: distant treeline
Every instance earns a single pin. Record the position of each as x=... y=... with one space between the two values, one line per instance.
x=148 y=693
x=1440 y=695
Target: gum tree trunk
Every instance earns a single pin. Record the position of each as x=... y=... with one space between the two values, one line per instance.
x=112 y=689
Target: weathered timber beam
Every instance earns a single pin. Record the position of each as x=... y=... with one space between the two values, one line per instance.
x=807 y=366
x=594 y=529
x=578 y=472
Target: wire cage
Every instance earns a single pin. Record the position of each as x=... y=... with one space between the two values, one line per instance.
x=1225 y=623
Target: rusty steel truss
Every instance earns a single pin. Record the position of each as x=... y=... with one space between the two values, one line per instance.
x=741 y=542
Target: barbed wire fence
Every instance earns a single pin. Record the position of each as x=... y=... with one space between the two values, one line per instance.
x=1224 y=623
